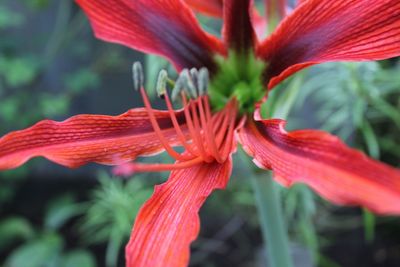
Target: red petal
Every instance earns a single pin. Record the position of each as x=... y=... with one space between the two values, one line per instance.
x=320 y=160
x=210 y=7
x=87 y=138
x=167 y=28
x=238 y=30
x=325 y=30
x=168 y=222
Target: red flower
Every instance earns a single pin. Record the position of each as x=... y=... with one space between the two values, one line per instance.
x=317 y=31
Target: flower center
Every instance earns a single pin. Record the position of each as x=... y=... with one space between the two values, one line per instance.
x=239 y=76
x=205 y=136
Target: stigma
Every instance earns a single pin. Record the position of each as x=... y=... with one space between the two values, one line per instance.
x=204 y=135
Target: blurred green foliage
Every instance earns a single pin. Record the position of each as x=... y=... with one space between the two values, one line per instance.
x=111 y=213
x=28 y=71
x=44 y=246
x=9 y=18
x=359 y=101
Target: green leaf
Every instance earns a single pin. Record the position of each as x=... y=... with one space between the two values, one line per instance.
x=387 y=109
x=113 y=207
x=81 y=80
x=18 y=71
x=326 y=262
x=9 y=18
x=37 y=4
x=14 y=229
x=369 y=225
x=38 y=253
x=113 y=247
x=370 y=139
x=78 y=258
x=9 y=108
x=52 y=105
x=60 y=211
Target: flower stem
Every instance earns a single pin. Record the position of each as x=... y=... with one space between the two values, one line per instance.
x=268 y=199
x=273 y=228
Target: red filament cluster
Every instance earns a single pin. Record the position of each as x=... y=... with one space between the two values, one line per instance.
x=209 y=136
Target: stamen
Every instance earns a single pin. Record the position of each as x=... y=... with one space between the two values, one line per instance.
x=178 y=129
x=193 y=133
x=207 y=137
x=212 y=123
x=157 y=129
x=203 y=80
x=188 y=84
x=198 y=129
x=225 y=119
x=162 y=83
x=137 y=75
x=194 y=74
x=178 y=88
x=162 y=92
x=208 y=131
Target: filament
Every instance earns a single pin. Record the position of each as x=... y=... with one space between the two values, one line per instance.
x=207 y=137
x=157 y=129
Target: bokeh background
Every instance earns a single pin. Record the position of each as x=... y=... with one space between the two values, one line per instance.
x=52 y=67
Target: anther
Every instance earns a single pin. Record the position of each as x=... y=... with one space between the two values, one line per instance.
x=137 y=75
x=203 y=80
x=176 y=91
x=188 y=84
x=162 y=83
x=194 y=74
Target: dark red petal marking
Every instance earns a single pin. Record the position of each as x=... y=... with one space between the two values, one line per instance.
x=167 y=28
x=214 y=8
x=89 y=138
x=209 y=7
x=320 y=160
x=168 y=222
x=238 y=30
x=325 y=30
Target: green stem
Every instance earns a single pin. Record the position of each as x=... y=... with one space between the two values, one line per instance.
x=273 y=228
x=268 y=199
x=61 y=24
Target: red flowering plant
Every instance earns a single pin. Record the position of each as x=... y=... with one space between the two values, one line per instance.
x=221 y=85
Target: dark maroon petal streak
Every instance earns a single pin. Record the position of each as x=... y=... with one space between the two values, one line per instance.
x=238 y=30
x=325 y=30
x=168 y=28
